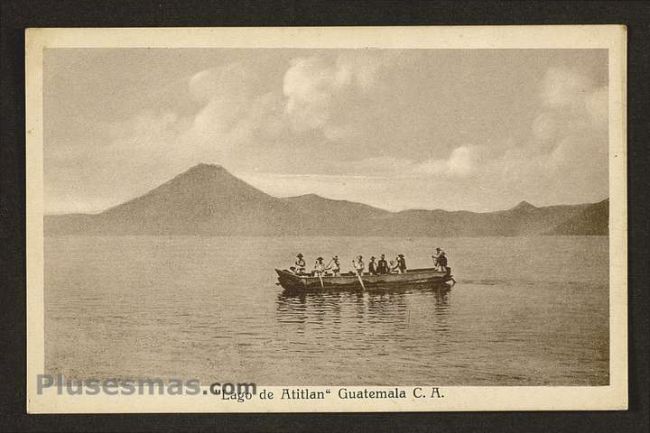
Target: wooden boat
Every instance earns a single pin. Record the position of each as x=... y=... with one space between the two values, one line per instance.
x=412 y=278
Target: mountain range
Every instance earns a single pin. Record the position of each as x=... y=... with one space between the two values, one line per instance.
x=208 y=200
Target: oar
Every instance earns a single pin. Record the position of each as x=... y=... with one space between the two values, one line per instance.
x=361 y=281
x=320 y=277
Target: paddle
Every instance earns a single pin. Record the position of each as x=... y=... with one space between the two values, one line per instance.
x=360 y=281
x=320 y=277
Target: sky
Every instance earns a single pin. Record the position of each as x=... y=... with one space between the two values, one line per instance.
x=479 y=130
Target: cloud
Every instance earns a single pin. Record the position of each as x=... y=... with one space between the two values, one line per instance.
x=563 y=87
x=461 y=163
x=152 y=146
x=332 y=94
x=566 y=153
x=231 y=80
x=571 y=104
x=309 y=85
x=233 y=112
x=236 y=110
x=363 y=118
x=545 y=126
x=575 y=96
x=335 y=96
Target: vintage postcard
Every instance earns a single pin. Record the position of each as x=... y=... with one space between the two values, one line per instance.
x=326 y=219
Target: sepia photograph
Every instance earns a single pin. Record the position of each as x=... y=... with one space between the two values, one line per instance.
x=360 y=222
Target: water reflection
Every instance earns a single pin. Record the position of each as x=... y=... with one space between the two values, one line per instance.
x=441 y=310
x=371 y=307
x=442 y=301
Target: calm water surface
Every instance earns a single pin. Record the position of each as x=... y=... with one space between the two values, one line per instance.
x=525 y=311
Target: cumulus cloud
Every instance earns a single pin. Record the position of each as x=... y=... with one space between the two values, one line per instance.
x=310 y=85
x=566 y=152
x=332 y=94
x=239 y=121
x=571 y=105
x=232 y=112
x=348 y=117
x=568 y=149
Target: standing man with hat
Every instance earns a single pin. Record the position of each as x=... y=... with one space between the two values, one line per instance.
x=440 y=259
x=401 y=264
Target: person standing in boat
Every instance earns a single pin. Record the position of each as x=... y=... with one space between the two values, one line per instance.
x=401 y=264
x=440 y=259
x=358 y=266
x=319 y=267
x=335 y=266
x=300 y=264
x=382 y=265
x=372 y=266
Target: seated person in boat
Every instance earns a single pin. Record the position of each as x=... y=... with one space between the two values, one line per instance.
x=392 y=266
x=319 y=267
x=401 y=264
x=358 y=266
x=299 y=264
x=335 y=266
x=372 y=266
x=440 y=260
x=382 y=265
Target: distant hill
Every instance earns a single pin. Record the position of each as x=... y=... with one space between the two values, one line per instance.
x=594 y=220
x=208 y=200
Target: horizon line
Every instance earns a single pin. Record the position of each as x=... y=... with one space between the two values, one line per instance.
x=219 y=166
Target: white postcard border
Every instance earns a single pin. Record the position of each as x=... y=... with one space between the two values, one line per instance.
x=498 y=398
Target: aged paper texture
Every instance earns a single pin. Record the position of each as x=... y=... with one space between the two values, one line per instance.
x=326 y=219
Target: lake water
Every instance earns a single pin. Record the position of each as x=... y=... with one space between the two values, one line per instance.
x=525 y=311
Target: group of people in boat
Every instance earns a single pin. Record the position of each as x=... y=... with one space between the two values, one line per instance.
x=320 y=268
x=375 y=267
x=381 y=266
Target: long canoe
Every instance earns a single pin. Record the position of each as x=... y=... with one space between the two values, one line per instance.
x=412 y=278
